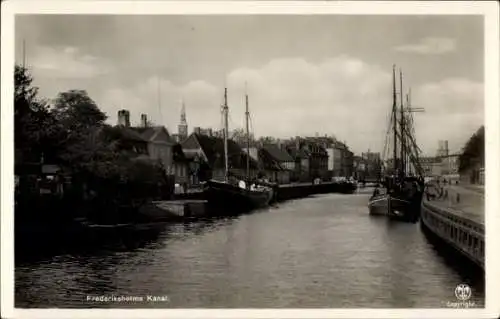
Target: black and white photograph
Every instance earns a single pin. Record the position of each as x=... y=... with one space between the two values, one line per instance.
x=247 y=157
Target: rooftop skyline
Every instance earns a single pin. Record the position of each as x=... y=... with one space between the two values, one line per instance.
x=304 y=74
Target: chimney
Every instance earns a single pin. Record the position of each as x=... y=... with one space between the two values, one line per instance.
x=210 y=132
x=297 y=142
x=144 y=120
x=124 y=118
x=197 y=130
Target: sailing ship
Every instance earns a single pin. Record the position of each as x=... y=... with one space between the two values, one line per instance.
x=402 y=187
x=235 y=194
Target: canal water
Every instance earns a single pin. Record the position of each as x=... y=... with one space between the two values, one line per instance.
x=323 y=251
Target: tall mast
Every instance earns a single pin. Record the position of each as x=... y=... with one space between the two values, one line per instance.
x=226 y=134
x=409 y=128
x=415 y=169
x=247 y=117
x=402 y=124
x=394 y=118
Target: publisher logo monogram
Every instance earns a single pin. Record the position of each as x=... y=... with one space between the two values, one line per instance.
x=463 y=292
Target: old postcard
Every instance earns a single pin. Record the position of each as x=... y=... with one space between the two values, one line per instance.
x=270 y=159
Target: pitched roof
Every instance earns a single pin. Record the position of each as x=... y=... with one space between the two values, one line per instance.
x=296 y=153
x=213 y=147
x=277 y=153
x=340 y=145
x=321 y=139
x=268 y=160
x=148 y=133
x=130 y=134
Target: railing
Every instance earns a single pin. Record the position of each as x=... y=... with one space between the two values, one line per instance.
x=462 y=233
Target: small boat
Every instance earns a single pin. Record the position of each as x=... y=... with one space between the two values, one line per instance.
x=397 y=203
x=348 y=186
x=232 y=195
x=378 y=203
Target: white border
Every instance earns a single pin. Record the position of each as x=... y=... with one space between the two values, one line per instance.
x=492 y=115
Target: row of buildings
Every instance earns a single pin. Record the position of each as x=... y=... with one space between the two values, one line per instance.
x=200 y=155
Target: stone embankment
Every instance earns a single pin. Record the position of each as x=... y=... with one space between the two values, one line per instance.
x=455 y=213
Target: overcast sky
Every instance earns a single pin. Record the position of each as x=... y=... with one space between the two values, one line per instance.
x=305 y=74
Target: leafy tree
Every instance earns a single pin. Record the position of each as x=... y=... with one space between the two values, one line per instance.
x=94 y=146
x=34 y=132
x=73 y=133
x=76 y=110
x=79 y=122
x=473 y=150
x=77 y=114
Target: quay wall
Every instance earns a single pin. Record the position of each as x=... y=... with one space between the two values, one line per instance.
x=294 y=191
x=461 y=234
x=281 y=193
x=287 y=191
x=192 y=195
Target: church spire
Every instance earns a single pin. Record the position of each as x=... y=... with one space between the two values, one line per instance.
x=183 y=114
x=183 y=126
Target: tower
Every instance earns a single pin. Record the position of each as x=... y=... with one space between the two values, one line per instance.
x=182 y=128
x=443 y=148
x=144 y=120
x=124 y=118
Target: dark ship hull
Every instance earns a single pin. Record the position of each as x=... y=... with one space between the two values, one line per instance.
x=397 y=205
x=348 y=188
x=227 y=199
x=406 y=209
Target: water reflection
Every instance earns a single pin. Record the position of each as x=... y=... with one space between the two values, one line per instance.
x=324 y=251
x=468 y=272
